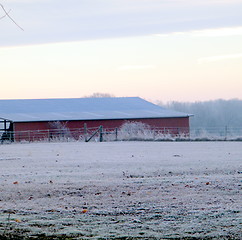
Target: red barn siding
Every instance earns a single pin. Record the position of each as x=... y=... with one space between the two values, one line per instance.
x=28 y=126
x=30 y=131
x=157 y=122
x=39 y=130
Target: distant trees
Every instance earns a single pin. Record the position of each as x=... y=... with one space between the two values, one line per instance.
x=216 y=113
x=100 y=95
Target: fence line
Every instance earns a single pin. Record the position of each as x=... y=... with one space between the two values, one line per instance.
x=130 y=133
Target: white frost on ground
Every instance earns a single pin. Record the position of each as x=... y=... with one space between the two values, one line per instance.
x=122 y=189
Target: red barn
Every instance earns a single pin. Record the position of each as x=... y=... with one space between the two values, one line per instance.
x=31 y=119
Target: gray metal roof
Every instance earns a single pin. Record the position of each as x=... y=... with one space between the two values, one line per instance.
x=31 y=110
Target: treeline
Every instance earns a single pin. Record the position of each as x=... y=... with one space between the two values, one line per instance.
x=210 y=114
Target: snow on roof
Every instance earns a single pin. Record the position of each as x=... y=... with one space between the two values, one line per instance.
x=32 y=110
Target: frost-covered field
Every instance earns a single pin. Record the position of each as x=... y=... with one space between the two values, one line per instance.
x=122 y=190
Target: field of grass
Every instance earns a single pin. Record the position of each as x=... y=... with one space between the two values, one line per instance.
x=121 y=190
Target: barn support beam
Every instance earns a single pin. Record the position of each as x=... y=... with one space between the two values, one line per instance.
x=5 y=125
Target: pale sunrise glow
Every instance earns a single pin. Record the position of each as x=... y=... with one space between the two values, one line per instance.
x=157 y=50
x=220 y=32
x=219 y=58
x=136 y=67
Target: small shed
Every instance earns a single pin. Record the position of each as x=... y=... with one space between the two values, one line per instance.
x=25 y=118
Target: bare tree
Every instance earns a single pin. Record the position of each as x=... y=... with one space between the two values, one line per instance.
x=6 y=14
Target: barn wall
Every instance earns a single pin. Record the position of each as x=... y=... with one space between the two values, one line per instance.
x=162 y=122
x=39 y=130
x=28 y=126
x=30 y=131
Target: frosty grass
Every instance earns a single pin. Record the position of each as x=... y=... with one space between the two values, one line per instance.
x=121 y=190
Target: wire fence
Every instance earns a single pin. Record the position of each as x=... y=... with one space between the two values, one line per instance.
x=217 y=133
x=124 y=133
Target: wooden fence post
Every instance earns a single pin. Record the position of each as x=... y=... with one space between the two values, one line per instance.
x=116 y=134
x=226 y=132
x=101 y=133
x=85 y=132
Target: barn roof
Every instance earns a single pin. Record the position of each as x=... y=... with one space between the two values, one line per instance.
x=31 y=110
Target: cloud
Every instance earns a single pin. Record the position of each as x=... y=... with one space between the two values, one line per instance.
x=219 y=58
x=219 y=32
x=206 y=2
x=214 y=32
x=136 y=67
